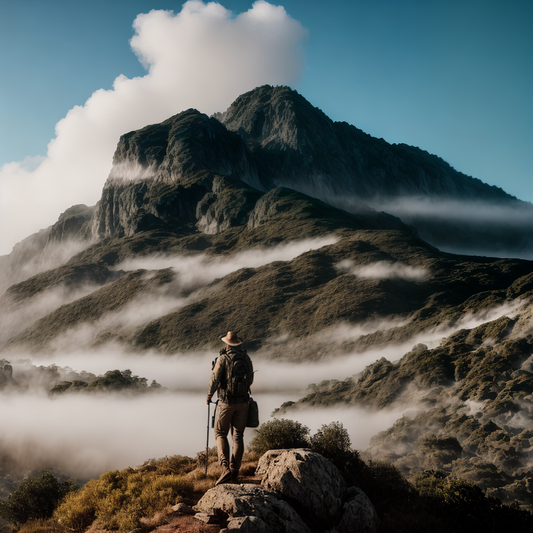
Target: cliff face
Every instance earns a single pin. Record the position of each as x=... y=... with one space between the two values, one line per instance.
x=193 y=173
x=163 y=176
x=297 y=145
x=161 y=173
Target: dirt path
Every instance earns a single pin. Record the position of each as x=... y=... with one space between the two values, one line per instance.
x=187 y=524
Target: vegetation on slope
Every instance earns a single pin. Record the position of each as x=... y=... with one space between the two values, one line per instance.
x=111 y=381
x=474 y=397
x=141 y=497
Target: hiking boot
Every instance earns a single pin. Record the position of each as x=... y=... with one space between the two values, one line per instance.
x=225 y=477
x=235 y=476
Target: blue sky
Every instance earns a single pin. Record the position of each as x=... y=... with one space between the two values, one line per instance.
x=453 y=77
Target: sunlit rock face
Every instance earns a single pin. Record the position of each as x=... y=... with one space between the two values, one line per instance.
x=162 y=172
x=296 y=145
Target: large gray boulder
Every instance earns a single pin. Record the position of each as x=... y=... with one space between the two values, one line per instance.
x=251 y=508
x=312 y=483
x=358 y=514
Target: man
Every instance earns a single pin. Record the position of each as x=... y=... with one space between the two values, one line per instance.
x=232 y=377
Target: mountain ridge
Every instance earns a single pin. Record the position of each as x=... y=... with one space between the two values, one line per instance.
x=267 y=119
x=274 y=137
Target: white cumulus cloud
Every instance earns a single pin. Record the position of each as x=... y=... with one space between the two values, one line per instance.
x=202 y=57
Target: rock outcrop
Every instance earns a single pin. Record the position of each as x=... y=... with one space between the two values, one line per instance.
x=49 y=248
x=301 y=492
x=251 y=508
x=307 y=479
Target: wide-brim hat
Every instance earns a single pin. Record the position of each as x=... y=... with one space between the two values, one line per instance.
x=232 y=339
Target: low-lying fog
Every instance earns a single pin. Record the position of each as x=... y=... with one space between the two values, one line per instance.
x=85 y=435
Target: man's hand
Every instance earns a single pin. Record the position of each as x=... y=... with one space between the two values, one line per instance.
x=208 y=400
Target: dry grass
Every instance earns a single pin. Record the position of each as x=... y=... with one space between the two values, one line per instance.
x=142 y=497
x=41 y=526
x=119 y=500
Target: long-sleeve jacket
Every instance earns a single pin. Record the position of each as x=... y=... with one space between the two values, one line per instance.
x=219 y=373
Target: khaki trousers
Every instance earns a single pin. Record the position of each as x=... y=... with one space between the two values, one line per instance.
x=236 y=416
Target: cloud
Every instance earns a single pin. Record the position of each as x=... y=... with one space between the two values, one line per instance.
x=361 y=424
x=202 y=57
x=384 y=270
x=501 y=222
x=86 y=435
x=198 y=270
x=193 y=273
x=15 y=318
x=52 y=256
x=464 y=211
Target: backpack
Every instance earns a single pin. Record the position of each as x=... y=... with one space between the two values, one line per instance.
x=239 y=372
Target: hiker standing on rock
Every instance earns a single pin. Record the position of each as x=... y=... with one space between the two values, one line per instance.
x=232 y=377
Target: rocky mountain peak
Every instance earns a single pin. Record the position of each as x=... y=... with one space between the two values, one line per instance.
x=275 y=118
x=300 y=147
x=179 y=147
x=188 y=170
x=161 y=172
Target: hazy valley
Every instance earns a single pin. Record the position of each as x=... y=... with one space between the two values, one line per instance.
x=329 y=251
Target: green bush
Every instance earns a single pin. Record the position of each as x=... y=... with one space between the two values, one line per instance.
x=278 y=434
x=331 y=439
x=35 y=498
x=384 y=484
x=333 y=442
x=461 y=506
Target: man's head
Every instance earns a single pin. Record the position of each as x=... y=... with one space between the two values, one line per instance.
x=232 y=339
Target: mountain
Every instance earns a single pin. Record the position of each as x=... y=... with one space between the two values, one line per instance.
x=48 y=248
x=274 y=138
x=296 y=145
x=209 y=224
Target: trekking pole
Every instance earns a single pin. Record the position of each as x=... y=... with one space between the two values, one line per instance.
x=207 y=442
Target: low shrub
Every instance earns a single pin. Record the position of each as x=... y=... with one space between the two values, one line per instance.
x=118 y=500
x=385 y=485
x=461 y=506
x=35 y=498
x=278 y=434
x=333 y=442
